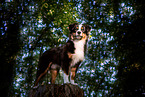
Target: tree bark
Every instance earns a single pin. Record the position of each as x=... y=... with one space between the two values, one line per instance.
x=56 y=90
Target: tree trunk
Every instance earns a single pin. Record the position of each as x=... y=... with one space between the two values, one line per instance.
x=56 y=90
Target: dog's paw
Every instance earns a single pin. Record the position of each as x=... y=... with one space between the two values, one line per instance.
x=72 y=82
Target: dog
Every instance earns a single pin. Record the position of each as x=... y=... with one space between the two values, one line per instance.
x=68 y=56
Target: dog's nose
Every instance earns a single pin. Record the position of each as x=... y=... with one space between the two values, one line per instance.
x=79 y=32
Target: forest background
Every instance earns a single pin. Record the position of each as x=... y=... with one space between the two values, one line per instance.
x=115 y=62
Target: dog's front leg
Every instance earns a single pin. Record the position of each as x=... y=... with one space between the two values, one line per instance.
x=73 y=71
x=66 y=75
x=73 y=74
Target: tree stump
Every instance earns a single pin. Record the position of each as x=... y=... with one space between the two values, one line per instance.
x=56 y=90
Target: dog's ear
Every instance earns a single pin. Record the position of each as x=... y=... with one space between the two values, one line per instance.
x=88 y=28
x=72 y=26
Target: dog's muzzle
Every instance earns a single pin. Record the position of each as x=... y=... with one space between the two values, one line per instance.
x=78 y=35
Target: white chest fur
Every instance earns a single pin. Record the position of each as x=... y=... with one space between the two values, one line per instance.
x=79 y=52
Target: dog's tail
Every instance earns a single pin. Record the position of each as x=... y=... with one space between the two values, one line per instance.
x=41 y=71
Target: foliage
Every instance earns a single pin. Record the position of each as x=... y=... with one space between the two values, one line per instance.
x=114 y=64
x=123 y=20
x=130 y=49
x=47 y=20
x=10 y=45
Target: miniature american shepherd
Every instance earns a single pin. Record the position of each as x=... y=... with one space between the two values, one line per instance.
x=68 y=57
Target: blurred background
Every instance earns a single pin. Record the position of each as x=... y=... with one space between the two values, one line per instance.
x=115 y=62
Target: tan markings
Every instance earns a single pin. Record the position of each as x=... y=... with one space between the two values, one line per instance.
x=72 y=37
x=53 y=76
x=82 y=28
x=73 y=73
x=69 y=55
x=84 y=36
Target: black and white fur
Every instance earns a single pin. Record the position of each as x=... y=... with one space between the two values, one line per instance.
x=79 y=53
x=69 y=56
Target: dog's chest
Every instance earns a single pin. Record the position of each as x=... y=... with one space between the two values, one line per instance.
x=79 y=52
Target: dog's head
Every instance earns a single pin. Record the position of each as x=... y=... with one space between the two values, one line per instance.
x=79 y=31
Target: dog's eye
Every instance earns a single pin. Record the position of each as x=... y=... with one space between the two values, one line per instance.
x=82 y=28
x=77 y=28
